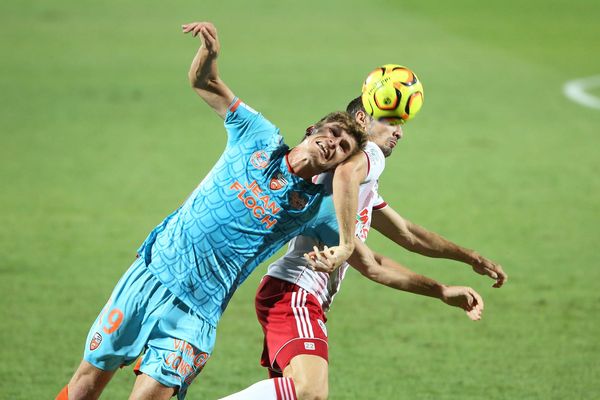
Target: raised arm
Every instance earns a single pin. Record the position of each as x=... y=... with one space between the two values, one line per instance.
x=203 y=73
x=346 y=180
x=419 y=240
x=387 y=272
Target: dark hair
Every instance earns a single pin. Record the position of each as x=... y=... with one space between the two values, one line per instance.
x=355 y=106
x=348 y=123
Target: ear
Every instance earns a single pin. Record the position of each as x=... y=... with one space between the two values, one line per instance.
x=361 y=118
x=309 y=131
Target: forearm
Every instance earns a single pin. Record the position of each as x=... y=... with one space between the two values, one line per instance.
x=345 y=200
x=346 y=181
x=204 y=73
x=394 y=275
x=431 y=244
x=418 y=239
x=387 y=272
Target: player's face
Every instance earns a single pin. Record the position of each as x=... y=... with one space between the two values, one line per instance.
x=330 y=145
x=385 y=136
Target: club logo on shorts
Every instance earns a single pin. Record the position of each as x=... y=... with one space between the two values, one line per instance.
x=323 y=327
x=297 y=201
x=260 y=159
x=309 y=346
x=278 y=181
x=95 y=342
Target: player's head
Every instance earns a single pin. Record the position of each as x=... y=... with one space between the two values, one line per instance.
x=333 y=139
x=385 y=136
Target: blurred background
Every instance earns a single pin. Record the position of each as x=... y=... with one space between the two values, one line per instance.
x=101 y=137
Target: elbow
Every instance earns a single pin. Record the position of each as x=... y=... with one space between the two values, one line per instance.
x=199 y=80
x=204 y=85
x=196 y=82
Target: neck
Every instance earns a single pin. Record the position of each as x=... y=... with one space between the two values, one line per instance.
x=300 y=165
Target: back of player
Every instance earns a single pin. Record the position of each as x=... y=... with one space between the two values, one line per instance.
x=294 y=297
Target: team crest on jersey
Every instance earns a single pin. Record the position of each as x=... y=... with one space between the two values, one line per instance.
x=297 y=200
x=260 y=159
x=278 y=182
x=323 y=327
x=96 y=340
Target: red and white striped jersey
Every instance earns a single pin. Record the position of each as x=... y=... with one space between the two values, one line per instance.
x=292 y=266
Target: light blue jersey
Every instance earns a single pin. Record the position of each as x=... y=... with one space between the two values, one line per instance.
x=247 y=207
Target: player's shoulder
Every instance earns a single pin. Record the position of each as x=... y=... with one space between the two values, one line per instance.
x=243 y=122
x=375 y=161
x=239 y=111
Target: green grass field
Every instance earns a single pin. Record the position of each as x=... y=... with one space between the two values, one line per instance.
x=101 y=137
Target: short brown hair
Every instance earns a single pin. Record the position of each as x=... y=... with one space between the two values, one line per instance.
x=348 y=123
x=355 y=106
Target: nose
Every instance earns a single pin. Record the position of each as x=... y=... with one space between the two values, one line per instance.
x=333 y=141
x=398 y=133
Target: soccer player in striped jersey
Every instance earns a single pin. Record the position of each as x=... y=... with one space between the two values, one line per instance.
x=257 y=197
x=292 y=299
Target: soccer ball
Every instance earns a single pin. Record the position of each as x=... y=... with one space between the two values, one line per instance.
x=393 y=94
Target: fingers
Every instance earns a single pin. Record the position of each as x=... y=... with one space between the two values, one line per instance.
x=212 y=31
x=330 y=256
x=475 y=302
x=320 y=261
x=207 y=29
x=477 y=298
x=484 y=266
x=502 y=277
x=310 y=261
x=327 y=258
x=193 y=27
x=207 y=35
x=474 y=315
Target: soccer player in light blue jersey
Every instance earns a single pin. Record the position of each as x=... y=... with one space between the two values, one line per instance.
x=256 y=198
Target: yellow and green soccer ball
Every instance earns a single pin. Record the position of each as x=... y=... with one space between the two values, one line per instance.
x=392 y=94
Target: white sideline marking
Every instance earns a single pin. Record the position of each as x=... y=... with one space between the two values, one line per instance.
x=575 y=90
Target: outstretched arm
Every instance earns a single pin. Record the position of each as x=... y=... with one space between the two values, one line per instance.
x=387 y=272
x=419 y=240
x=203 y=73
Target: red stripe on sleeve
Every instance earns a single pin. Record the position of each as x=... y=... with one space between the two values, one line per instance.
x=380 y=206
x=235 y=105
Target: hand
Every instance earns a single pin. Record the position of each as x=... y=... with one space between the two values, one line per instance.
x=327 y=260
x=465 y=298
x=209 y=35
x=483 y=266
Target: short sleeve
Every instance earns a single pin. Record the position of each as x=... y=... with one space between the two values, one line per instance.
x=244 y=123
x=379 y=202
